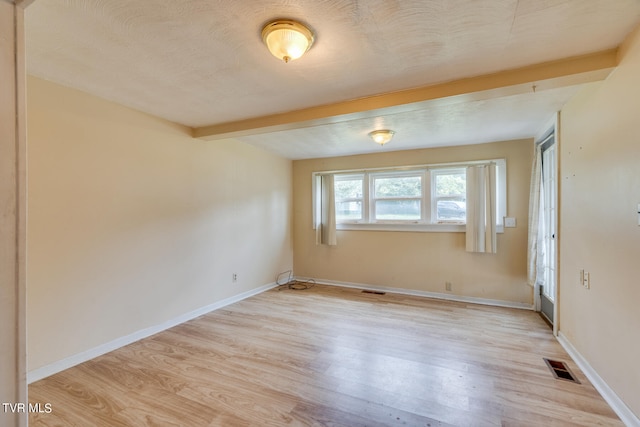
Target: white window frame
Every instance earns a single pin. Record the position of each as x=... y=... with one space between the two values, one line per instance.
x=372 y=199
x=362 y=200
x=425 y=224
x=434 y=197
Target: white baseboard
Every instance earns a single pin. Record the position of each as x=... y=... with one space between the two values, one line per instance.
x=436 y=295
x=76 y=359
x=618 y=406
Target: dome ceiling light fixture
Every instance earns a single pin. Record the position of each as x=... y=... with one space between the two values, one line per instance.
x=287 y=39
x=381 y=136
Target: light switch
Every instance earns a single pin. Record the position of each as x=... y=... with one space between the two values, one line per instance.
x=509 y=222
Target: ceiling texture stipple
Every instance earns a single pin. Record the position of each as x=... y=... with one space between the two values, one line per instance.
x=202 y=62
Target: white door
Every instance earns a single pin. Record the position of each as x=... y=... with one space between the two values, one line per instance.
x=549 y=219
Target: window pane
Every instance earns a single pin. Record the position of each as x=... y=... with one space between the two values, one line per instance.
x=405 y=186
x=398 y=209
x=451 y=184
x=348 y=188
x=348 y=211
x=452 y=210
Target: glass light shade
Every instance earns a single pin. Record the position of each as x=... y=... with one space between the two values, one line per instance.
x=381 y=136
x=287 y=40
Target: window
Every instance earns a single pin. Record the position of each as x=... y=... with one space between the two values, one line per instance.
x=396 y=197
x=449 y=194
x=424 y=198
x=349 y=197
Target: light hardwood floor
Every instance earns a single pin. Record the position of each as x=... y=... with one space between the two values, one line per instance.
x=330 y=356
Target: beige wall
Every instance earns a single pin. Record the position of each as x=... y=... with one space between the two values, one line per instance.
x=599 y=232
x=132 y=222
x=413 y=260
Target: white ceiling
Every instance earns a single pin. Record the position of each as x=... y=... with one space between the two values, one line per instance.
x=202 y=62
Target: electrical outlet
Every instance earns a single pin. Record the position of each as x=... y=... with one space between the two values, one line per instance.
x=447 y=286
x=586 y=282
x=235 y=277
x=585 y=279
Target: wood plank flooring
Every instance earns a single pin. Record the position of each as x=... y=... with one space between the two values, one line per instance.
x=330 y=356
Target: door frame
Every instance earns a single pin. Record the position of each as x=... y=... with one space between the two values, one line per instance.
x=552 y=128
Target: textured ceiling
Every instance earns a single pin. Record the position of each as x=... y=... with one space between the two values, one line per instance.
x=498 y=119
x=202 y=62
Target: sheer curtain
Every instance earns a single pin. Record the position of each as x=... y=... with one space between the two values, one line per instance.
x=481 y=208
x=536 y=220
x=326 y=217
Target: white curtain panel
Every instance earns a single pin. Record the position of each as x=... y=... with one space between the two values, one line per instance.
x=481 y=208
x=536 y=219
x=326 y=220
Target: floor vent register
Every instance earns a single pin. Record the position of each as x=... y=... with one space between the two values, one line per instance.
x=368 y=291
x=560 y=370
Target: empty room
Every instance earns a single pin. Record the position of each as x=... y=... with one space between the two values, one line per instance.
x=319 y=213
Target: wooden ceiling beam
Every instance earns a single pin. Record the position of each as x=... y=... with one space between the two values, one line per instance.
x=538 y=77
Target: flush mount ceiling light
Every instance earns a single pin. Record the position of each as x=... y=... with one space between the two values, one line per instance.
x=381 y=136
x=287 y=39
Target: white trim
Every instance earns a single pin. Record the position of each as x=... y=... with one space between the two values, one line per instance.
x=409 y=168
x=416 y=226
x=76 y=359
x=618 y=406
x=426 y=294
x=551 y=123
x=442 y=227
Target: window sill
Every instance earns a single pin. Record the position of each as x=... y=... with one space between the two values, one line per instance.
x=419 y=228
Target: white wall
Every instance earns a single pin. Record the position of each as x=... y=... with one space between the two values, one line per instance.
x=420 y=261
x=599 y=231
x=132 y=222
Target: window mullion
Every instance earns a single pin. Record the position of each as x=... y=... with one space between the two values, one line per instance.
x=366 y=195
x=426 y=196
